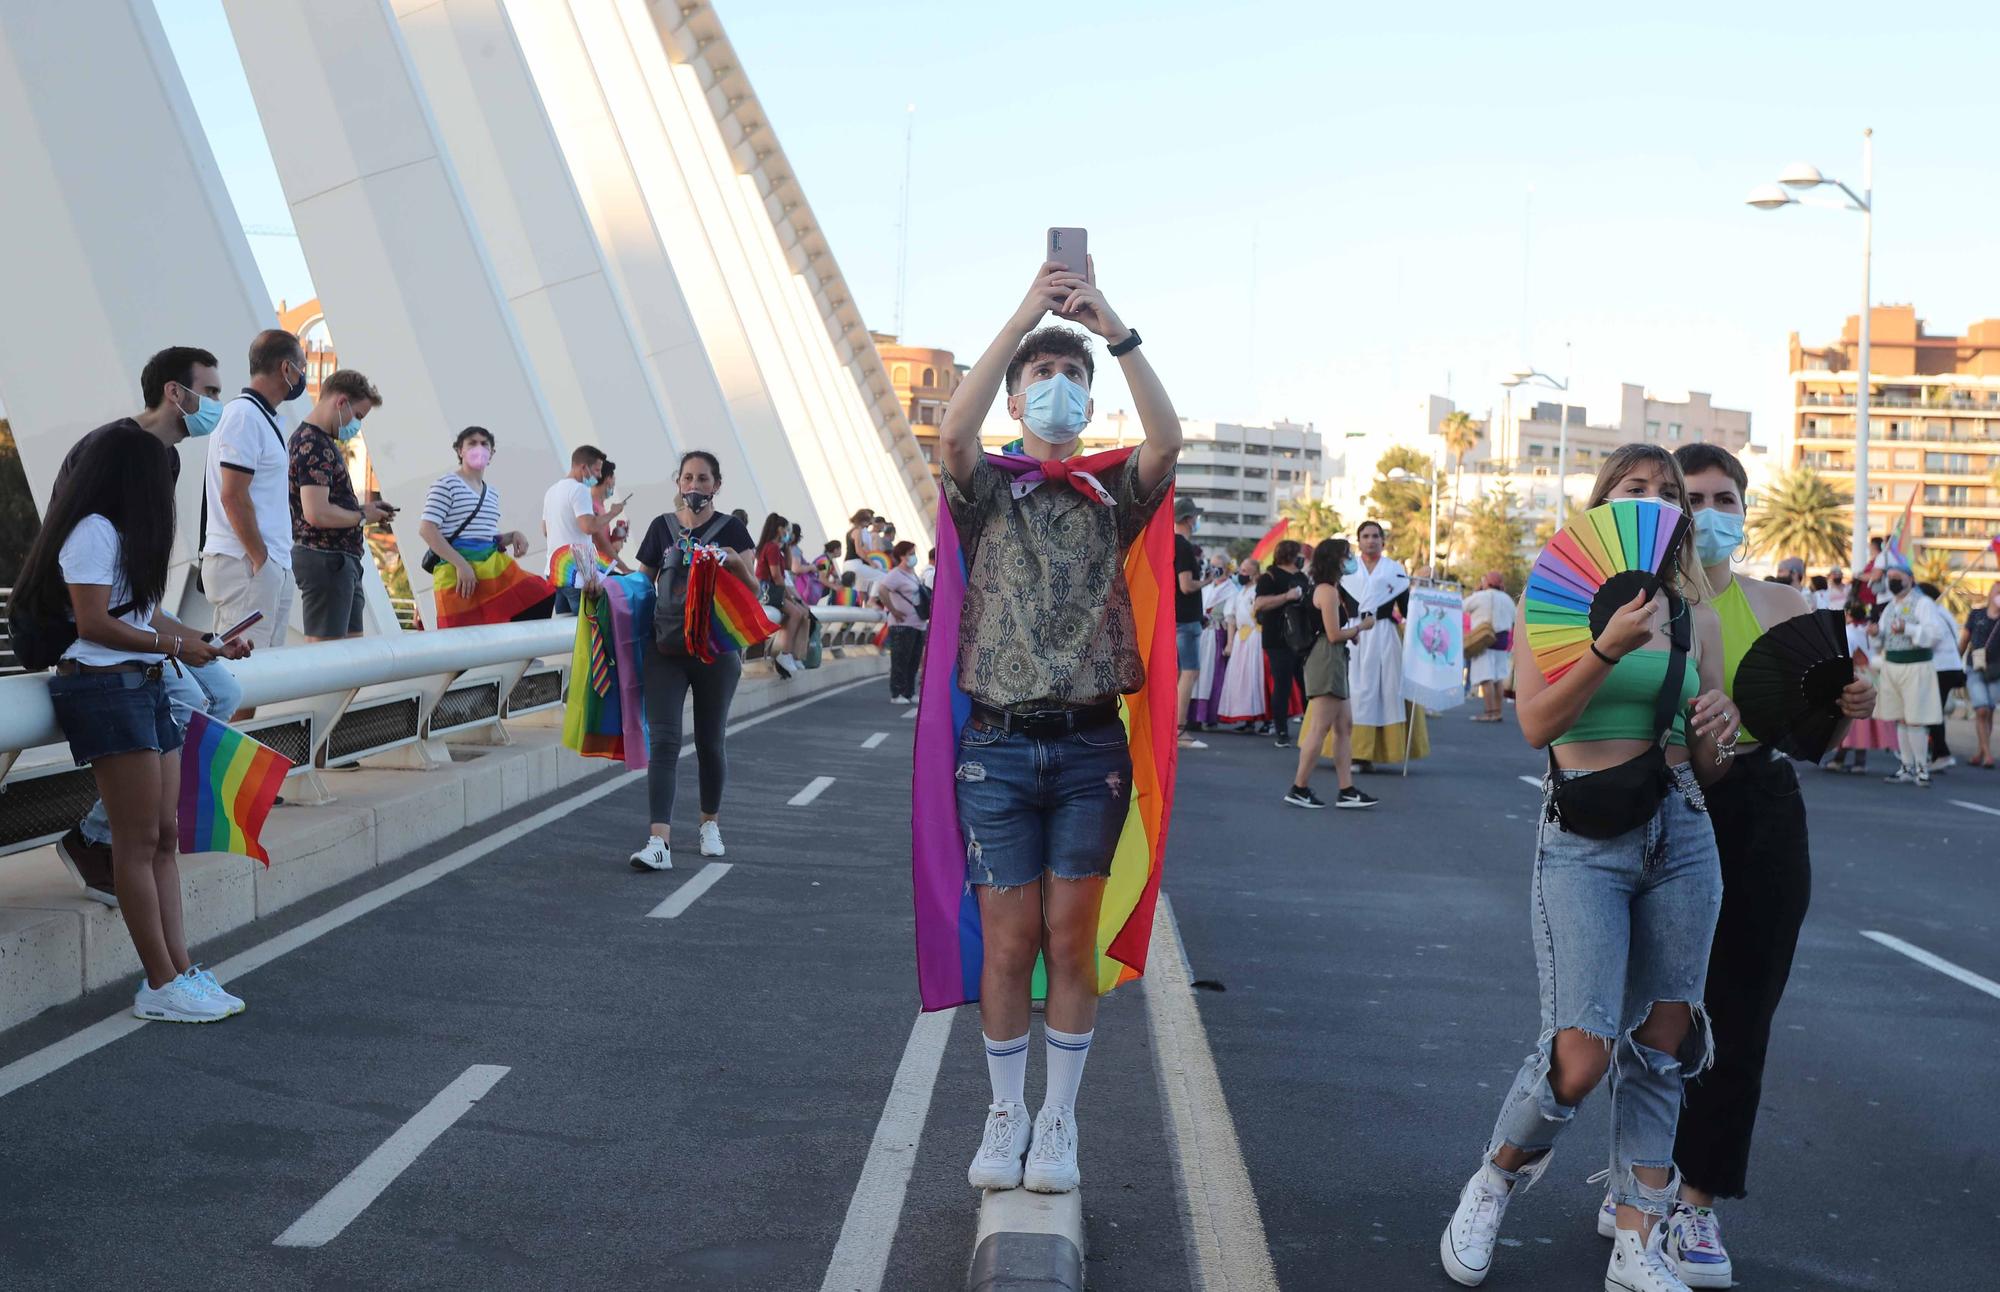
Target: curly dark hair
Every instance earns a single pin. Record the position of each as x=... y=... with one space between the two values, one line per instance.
x=1061 y=342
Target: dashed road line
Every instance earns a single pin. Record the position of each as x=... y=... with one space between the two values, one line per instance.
x=323 y=1222
x=814 y=788
x=861 y=1256
x=1977 y=807
x=1939 y=963
x=1535 y=781
x=910 y=712
x=685 y=895
x=875 y=740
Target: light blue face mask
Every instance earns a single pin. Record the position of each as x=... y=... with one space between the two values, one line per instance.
x=1055 y=409
x=352 y=429
x=1349 y=566
x=203 y=419
x=590 y=482
x=1717 y=535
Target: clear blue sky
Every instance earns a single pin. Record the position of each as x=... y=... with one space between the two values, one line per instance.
x=1379 y=160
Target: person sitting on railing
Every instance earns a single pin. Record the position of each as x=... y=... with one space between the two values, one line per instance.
x=100 y=562
x=171 y=379
x=671 y=672
x=774 y=590
x=472 y=562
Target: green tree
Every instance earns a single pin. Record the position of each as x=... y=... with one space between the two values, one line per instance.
x=1801 y=515
x=1311 y=519
x=1461 y=436
x=1934 y=568
x=1403 y=506
x=1494 y=536
x=18 y=520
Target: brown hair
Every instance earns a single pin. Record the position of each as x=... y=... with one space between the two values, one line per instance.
x=271 y=349
x=1062 y=342
x=1692 y=584
x=352 y=384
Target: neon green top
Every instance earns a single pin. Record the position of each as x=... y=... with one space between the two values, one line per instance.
x=1739 y=629
x=1623 y=707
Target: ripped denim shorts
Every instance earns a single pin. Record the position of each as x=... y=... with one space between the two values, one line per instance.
x=1030 y=805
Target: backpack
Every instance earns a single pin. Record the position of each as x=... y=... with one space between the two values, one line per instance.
x=39 y=643
x=670 y=585
x=923 y=603
x=1301 y=622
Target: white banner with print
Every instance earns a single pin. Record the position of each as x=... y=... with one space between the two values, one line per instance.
x=1434 y=647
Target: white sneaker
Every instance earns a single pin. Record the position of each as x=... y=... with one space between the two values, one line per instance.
x=785 y=665
x=901 y=699
x=1607 y=1218
x=1641 y=1265
x=1052 y=1157
x=656 y=855
x=997 y=1165
x=1467 y=1246
x=1940 y=764
x=711 y=839
x=1694 y=1245
x=180 y=1001
x=207 y=982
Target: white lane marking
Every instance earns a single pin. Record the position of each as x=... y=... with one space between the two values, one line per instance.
x=323 y=1222
x=1219 y=1213
x=910 y=712
x=861 y=1256
x=1939 y=963
x=814 y=788
x=1977 y=807
x=684 y=895
x=875 y=740
x=59 y=1054
x=1535 y=781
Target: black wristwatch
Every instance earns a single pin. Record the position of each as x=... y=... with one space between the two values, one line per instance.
x=1127 y=346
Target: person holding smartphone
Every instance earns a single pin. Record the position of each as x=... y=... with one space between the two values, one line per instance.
x=327 y=518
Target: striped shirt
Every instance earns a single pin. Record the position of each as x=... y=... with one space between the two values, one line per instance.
x=451 y=500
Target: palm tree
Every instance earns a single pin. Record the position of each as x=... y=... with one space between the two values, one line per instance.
x=1311 y=519
x=1461 y=436
x=1935 y=569
x=1801 y=515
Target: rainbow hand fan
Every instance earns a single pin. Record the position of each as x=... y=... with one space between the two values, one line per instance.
x=1597 y=563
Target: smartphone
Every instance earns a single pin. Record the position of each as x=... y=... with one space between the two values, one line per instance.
x=254 y=617
x=1072 y=248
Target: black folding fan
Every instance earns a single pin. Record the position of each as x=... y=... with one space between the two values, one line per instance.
x=1789 y=683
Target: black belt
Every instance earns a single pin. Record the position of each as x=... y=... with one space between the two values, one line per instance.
x=1045 y=722
x=71 y=668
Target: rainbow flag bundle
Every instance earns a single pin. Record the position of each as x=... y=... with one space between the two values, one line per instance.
x=604 y=715
x=228 y=783
x=949 y=947
x=504 y=590
x=566 y=567
x=722 y=614
x=1269 y=543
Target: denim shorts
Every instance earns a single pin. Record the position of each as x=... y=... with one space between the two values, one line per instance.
x=102 y=714
x=1030 y=805
x=1187 y=646
x=1979 y=690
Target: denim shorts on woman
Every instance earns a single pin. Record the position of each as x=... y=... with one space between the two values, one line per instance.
x=1030 y=805
x=102 y=714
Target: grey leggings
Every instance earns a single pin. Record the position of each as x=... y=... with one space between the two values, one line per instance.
x=669 y=678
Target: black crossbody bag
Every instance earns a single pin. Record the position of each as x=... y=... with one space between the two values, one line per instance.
x=431 y=561
x=1606 y=804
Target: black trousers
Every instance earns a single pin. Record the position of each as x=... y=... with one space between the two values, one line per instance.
x=1948 y=681
x=1760 y=835
x=669 y=680
x=1284 y=668
x=906 y=650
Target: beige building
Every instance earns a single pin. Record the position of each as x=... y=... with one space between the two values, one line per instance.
x=923 y=380
x=1933 y=429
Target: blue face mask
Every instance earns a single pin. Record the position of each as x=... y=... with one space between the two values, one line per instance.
x=1349 y=566
x=1717 y=535
x=203 y=419
x=352 y=429
x=1055 y=409
x=590 y=482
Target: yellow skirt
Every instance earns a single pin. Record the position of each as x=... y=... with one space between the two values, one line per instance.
x=1385 y=744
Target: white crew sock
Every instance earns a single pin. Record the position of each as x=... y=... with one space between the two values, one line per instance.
x=1067 y=1052
x=1007 y=1069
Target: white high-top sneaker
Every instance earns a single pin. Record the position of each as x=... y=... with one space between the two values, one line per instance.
x=1640 y=1264
x=1467 y=1246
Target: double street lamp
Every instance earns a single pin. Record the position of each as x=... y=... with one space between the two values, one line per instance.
x=1532 y=377
x=1774 y=197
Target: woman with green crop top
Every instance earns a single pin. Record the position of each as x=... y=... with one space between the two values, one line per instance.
x=1760 y=837
x=1621 y=925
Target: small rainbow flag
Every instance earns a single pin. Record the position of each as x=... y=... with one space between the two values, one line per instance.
x=1269 y=543
x=880 y=560
x=723 y=616
x=566 y=569
x=228 y=783
x=604 y=715
x=844 y=597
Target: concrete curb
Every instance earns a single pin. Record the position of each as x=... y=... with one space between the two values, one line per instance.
x=1028 y=1242
x=56 y=944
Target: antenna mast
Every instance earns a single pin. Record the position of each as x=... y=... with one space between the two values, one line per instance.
x=903 y=227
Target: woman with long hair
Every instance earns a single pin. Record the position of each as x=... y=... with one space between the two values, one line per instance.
x=1625 y=891
x=100 y=562
x=671 y=673
x=1325 y=676
x=774 y=589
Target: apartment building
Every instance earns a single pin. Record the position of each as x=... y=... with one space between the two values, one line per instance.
x=923 y=379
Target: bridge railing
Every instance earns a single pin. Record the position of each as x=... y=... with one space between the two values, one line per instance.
x=394 y=699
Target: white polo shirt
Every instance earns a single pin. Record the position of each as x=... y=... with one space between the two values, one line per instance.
x=250 y=438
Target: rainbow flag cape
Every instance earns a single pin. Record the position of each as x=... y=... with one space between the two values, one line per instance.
x=604 y=715
x=566 y=569
x=949 y=949
x=844 y=597
x=722 y=615
x=228 y=783
x=503 y=592
x=1269 y=543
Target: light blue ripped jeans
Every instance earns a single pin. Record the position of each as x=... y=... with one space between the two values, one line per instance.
x=210 y=688
x=1620 y=924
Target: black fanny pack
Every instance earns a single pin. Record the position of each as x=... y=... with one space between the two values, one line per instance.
x=1606 y=804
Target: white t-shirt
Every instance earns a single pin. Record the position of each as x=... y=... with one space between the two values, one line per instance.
x=566 y=500
x=93 y=554
x=244 y=441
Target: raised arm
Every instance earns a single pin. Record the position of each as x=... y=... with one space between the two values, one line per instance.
x=1162 y=446
x=958 y=434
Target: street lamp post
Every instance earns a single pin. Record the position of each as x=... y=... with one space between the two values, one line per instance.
x=1531 y=377
x=1773 y=197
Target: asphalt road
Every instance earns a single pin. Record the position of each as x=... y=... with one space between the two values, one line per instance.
x=690 y=1102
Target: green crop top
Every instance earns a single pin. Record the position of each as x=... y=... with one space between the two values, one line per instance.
x=1623 y=707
